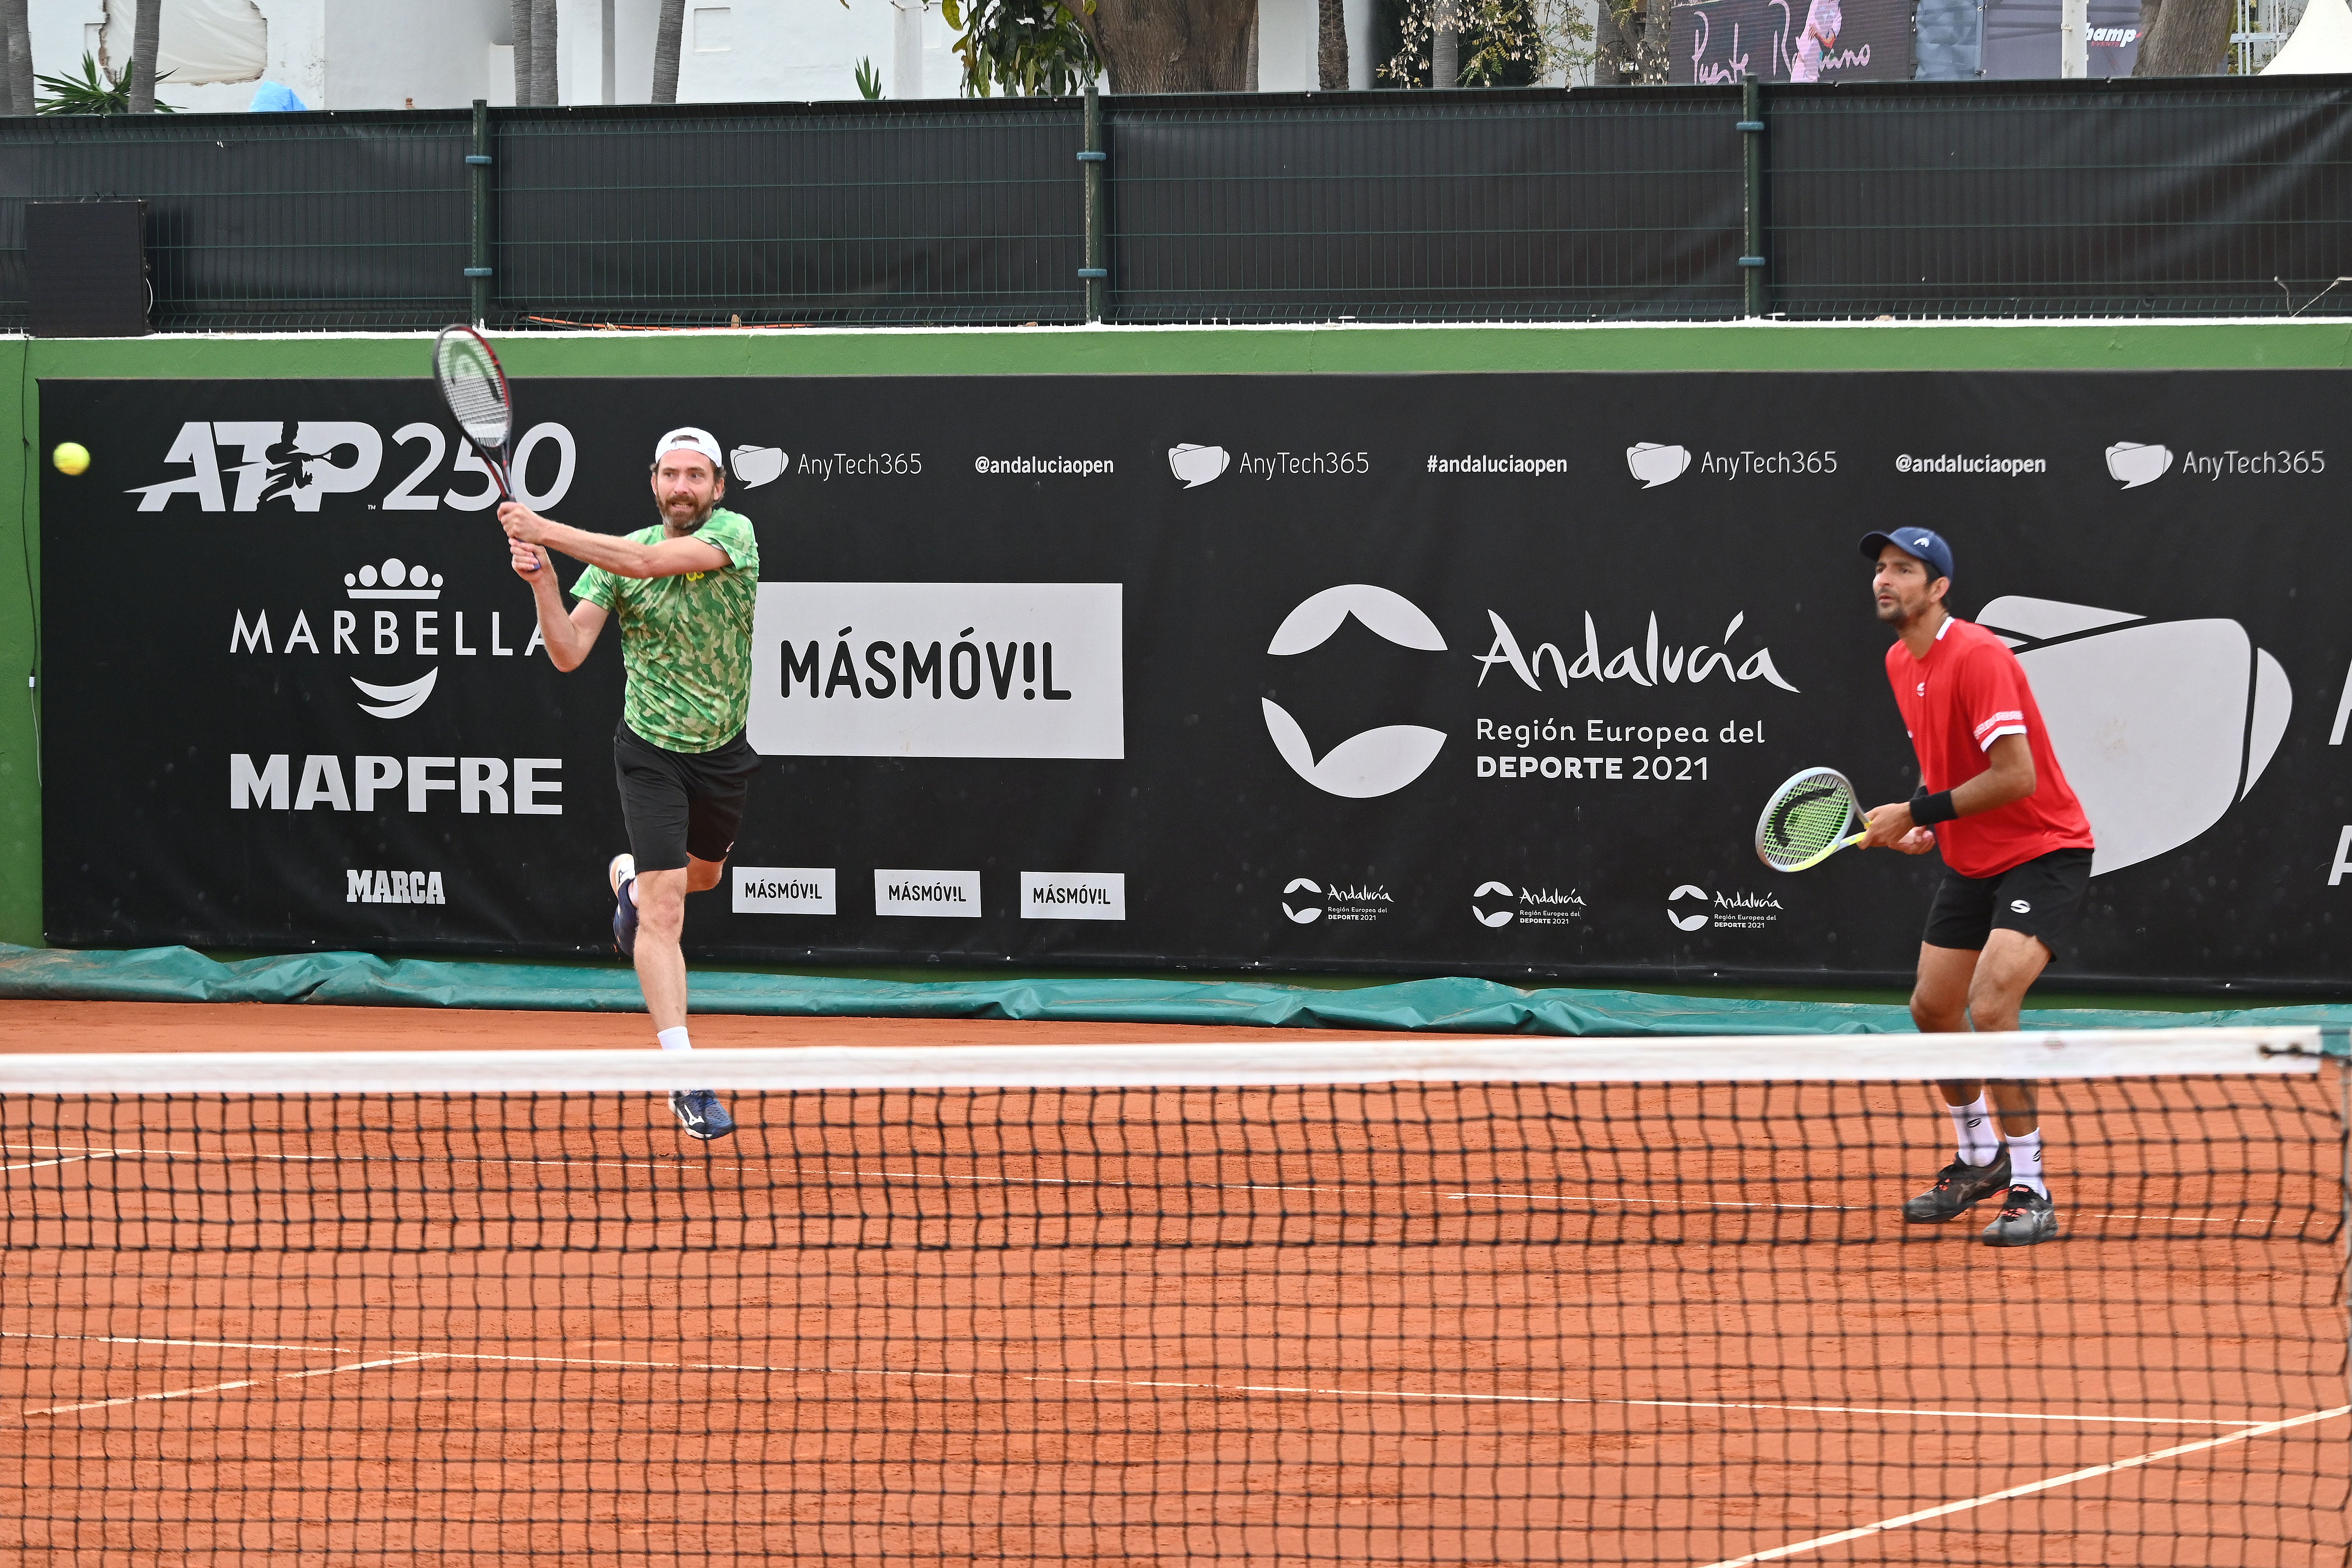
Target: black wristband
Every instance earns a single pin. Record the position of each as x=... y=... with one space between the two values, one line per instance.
x=1927 y=810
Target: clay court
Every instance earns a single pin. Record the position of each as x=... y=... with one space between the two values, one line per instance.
x=1410 y=1323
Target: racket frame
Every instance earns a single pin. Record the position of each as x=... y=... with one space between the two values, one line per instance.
x=493 y=457
x=1854 y=813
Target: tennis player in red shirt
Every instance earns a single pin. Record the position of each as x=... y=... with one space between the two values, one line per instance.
x=2017 y=861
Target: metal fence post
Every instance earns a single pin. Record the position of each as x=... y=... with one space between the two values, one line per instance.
x=477 y=264
x=1751 y=137
x=1095 y=270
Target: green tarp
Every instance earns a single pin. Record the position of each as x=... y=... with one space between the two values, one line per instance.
x=1459 y=1006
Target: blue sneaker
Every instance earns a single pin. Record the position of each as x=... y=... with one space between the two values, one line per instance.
x=700 y=1112
x=619 y=875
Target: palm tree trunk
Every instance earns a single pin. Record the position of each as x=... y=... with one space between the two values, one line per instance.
x=19 y=43
x=545 y=88
x=17 y=55
x=2189 y=38
x=145 y=39
x=1331 y=45
x=665 y=46
x=518 y=20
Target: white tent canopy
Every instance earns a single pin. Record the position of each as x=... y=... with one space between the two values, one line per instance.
x=2321 y=44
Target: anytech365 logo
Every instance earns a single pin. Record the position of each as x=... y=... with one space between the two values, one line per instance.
x=1376 y=761
x=1196 y=465
x=2137 y=463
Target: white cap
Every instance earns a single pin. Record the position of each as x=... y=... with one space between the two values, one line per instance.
x=686 y=438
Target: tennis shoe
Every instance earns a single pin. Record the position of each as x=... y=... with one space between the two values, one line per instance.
x=1959 y=1186
x=700 y=1114
x=2026 y=1218
x=619 y=874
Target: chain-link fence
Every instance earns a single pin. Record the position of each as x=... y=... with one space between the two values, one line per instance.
x=2126 y=197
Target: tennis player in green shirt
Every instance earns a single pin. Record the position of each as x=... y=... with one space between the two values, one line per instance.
x=683 y=591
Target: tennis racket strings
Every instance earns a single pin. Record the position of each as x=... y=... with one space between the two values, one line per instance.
x=474 y=388
x=1807 y=820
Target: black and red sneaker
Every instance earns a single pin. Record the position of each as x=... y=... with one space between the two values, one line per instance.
x=2026 y=1218
x=1958 y=1187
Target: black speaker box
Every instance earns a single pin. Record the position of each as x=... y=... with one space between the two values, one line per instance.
x=86 y=265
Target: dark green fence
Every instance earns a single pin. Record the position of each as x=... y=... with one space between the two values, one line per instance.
x=2184 y=197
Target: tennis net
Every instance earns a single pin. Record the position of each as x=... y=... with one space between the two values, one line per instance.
x=1285 y=1299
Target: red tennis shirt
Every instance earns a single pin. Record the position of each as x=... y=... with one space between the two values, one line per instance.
x=1966 y=694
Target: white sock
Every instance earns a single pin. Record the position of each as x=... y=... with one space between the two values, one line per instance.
x=2025 y=1162
x=1979 y=1144
x=673 y=1040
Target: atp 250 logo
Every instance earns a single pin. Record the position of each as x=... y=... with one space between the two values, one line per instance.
x=241 y=465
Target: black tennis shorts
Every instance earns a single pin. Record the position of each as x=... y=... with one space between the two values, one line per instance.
x=678 y=803
x=2039 y=897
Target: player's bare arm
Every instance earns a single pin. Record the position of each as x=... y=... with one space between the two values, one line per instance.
x=621 y=557
x=567 y=636
x=2007 y=776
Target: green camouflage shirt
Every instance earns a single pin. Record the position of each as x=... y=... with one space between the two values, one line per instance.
x=685 y=641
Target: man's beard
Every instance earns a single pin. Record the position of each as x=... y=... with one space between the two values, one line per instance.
x=699 y=519
x=1901 y=614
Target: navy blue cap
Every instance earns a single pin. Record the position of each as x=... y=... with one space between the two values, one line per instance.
x=1923 y=542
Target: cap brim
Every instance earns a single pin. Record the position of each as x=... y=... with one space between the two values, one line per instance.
x=1871 y=543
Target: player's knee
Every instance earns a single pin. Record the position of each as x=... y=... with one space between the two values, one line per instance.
x=1933 y=1014
x=704 y=876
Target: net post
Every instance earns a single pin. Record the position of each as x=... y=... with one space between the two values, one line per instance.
x=478 y=264
x=1094 y=272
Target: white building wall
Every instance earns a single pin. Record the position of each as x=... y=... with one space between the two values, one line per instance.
x=444 y=54
x=1287 y=45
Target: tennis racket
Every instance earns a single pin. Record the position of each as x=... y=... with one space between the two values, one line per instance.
x=1805 y=821
x=475 y=389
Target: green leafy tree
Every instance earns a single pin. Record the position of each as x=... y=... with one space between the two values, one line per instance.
x=1022 y=47
x=1495 y=43
x=91 y=92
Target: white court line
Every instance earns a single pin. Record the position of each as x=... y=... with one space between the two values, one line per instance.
x=1310 y=1389
x=1899 y=1520
x=67 y=1159
x=193 y=1344
x=241 y=1383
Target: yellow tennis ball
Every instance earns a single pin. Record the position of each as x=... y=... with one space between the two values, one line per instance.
x=72 y=457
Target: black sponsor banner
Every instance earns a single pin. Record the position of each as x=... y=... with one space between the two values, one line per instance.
x=1486 y=673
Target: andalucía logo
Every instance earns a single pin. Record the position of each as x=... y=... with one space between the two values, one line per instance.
x=1376 y=761
x=1725 y=912
x=1495 y=904
x=1335 y=901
